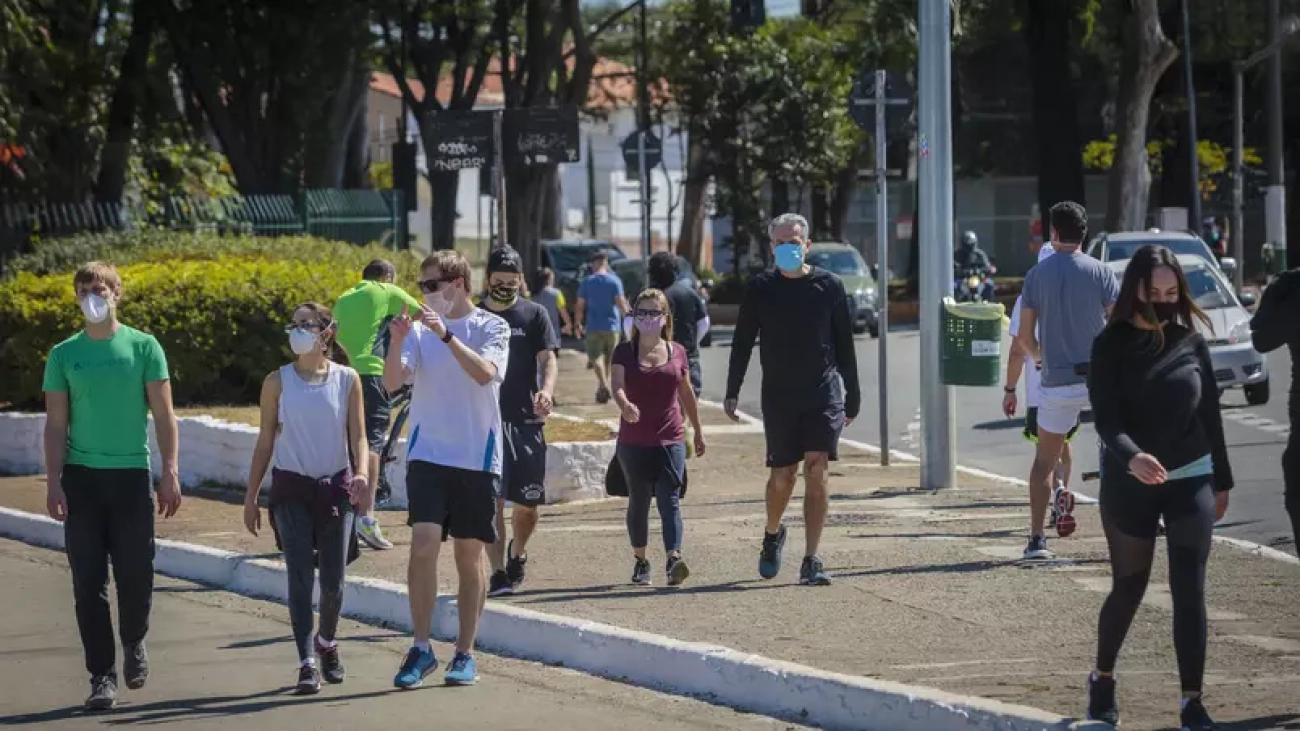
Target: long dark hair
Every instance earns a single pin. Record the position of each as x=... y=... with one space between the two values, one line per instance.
x=1137 y=279
x=329 y=330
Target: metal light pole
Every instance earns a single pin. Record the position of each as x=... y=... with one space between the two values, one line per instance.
x=938 y=460
x=643 y=125
x=1276 y=198
x=882 y=254
x=1195 y=209
x=1275 y=193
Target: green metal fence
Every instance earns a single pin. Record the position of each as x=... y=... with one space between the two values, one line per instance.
x=356 y=216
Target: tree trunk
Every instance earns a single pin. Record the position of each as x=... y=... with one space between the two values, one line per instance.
x=116 y=154
x=1056 y=114
x=821 y=211
x=1147 y=53
x=846 y=182
x=326 y=165
x=526 y=194
x=1175 y=189
x=780 y=197
x=356 y=171
x=690 y=243
x=551 y=217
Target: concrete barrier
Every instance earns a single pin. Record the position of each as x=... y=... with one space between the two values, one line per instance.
x=217 y=451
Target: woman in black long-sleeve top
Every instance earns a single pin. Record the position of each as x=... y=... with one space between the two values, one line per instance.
x=1277 y=323
x=1156 y=408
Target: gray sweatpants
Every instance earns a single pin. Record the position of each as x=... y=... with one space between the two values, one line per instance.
x=294 y=522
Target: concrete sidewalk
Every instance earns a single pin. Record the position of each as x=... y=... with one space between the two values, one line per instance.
x=930 y=590
x=220 y=659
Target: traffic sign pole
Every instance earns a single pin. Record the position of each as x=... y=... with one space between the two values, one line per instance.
x=500 y=182
x=882 y=268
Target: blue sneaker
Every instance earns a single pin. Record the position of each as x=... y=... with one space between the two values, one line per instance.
x=415 y=668
x=769 y=561
x=812 y=573
x=463 y=670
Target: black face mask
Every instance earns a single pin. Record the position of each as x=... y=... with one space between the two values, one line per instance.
x=504 y=293
x=1164 y=311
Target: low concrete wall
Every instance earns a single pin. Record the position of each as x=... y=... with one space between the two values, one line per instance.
x=212 y=450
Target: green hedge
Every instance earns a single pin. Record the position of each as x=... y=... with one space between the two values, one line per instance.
x=218 y=306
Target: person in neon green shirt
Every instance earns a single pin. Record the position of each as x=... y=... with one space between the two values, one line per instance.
x=100 y=386
x=362 y=314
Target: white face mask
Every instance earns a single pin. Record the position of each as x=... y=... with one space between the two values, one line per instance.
x=95 y=308
x=302 y=342
x=438 y=303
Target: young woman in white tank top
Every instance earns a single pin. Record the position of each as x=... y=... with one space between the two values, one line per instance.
x=312 y=436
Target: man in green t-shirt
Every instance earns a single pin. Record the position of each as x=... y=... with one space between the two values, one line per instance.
x=362 y=314
x=100 y=387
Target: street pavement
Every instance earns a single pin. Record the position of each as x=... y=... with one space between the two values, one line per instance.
x=220 y=659
x=986 y=440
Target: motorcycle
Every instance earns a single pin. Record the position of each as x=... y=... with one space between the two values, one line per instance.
x=970 y=286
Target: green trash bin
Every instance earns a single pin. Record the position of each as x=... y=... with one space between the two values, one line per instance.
x=972 y=343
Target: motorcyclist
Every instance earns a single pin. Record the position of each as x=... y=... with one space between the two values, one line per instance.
x=970 y=258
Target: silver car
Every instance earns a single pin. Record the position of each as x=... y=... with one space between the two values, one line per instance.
x=1236 y=362
x=1110 y=247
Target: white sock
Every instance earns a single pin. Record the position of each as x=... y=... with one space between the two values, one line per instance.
x=423 y=645
x=308 y=663
x=321 y=643
x=368 y=519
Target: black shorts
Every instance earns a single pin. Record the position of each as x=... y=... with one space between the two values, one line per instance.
x=378 y=410
x=1031 y=426
x=792 y=433
x=523 y=464
x=463 y=502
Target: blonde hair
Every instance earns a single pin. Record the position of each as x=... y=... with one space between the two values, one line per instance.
x=98 y=272
x=662 y=299
x=451 y=265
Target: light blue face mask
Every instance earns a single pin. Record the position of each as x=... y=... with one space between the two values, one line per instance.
x=788 y=256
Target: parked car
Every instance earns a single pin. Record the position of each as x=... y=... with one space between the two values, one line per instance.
x=847 y=263
x=1236 y=362
x=1109 y=247
x=570 y=260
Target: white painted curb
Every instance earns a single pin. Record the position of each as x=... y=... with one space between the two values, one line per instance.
x=217 y=451
x=748 y=682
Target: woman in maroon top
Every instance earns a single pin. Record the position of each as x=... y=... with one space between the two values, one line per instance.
x=652 y=387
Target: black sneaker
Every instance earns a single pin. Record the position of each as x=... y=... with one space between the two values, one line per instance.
x=1037 y=549
x=812 y=573
x=308 y=681
x=1101 y=700
x=641 y=572
x=499 y=584
x=135 y=666
x=769 y=561
x=677 y=570
x=516 y=566
x=103 y=693
x=1194 y=717
x=331 y=666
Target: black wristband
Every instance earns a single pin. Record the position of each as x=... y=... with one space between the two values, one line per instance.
x=447 y=336
x=1009 y=389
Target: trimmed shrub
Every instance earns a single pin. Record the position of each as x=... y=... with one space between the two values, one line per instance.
x=220 y=314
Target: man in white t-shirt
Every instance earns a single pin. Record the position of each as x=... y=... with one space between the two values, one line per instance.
x=1062 y=500
x=455 y=355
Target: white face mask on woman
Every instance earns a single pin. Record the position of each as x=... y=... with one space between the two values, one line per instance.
x=303 y=341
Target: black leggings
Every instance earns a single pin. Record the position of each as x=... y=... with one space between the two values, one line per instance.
x=1291 y=478
x=1130 y=514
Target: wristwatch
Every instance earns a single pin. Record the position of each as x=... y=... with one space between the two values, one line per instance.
x=447 y=336
x=1009 y=389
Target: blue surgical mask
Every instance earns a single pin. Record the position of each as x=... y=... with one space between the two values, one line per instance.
x=788 y=256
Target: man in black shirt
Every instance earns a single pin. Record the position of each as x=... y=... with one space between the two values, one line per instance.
x=524 y=408
x=690 y=314
x=1277 y=323
x=810 y=384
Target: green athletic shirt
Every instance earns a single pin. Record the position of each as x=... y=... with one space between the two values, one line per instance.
x=360 y=313
x=108 y=411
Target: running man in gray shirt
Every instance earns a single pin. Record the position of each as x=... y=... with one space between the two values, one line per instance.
x=1071 y=294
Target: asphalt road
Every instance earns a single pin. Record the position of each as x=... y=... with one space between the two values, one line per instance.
x=221 y=661
x=986 y=440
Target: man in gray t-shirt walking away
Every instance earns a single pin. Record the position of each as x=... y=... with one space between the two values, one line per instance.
x=1071 y=294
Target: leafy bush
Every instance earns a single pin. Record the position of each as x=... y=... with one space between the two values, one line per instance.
x=55 y=256
x=219 y=312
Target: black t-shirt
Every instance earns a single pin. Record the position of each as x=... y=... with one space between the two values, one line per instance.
x=1161 y=400
x=688 y=309
x=531 y=333
x=807 y=342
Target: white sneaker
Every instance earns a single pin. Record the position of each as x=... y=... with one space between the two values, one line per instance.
x=370 y=533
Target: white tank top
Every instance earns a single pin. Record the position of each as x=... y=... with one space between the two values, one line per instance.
x=313 y=430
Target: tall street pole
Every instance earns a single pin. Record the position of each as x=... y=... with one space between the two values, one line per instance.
x=1237 y=234
x=643 y=126
x=938 y=460
x=882 y=266
x=1192 y=141
x=1275 y=193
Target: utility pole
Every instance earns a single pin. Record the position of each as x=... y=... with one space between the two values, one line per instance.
x=643 y=127
x=1275 y=193
x=934 y=105
x=1194 y=210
